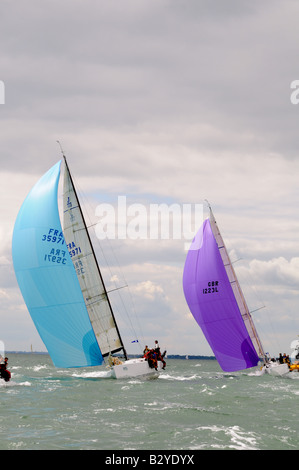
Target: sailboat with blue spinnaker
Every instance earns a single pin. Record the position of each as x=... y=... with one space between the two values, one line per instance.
x=61 y=282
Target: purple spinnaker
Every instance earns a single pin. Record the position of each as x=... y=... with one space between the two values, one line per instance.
x=211 y=300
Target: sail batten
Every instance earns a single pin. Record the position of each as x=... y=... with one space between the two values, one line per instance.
x=211 y=300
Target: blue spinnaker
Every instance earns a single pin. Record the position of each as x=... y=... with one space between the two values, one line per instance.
x=48 y=280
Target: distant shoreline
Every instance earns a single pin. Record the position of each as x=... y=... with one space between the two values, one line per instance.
x=169 y=356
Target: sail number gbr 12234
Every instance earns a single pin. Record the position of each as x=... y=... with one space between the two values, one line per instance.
x=212 y=287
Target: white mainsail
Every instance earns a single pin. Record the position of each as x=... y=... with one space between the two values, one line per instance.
x=88 y=273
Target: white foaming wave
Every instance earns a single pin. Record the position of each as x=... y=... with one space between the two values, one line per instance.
x=293 y=375
x=94 y=375
x=256 y=373
x=179 y=378
x=240 y=440
x=37 y=368
x=11 y=383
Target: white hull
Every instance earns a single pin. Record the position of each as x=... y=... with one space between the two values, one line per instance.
x=134 y=368
x=278 y=370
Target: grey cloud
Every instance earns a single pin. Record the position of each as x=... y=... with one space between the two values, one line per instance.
x=159 y=99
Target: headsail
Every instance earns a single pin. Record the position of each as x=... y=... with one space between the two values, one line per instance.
x=48 y=281
x=211 y=300
x=88 y=273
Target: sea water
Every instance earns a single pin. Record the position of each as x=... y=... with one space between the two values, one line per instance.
x=192 y=406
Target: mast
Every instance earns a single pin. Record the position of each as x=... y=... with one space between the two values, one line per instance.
x=240 y=299
x=95 y=258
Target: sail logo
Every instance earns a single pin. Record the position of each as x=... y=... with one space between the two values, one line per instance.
x=152 y=222
x=2 y=92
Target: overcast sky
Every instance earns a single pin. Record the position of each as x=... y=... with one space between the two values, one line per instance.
x=160 y=101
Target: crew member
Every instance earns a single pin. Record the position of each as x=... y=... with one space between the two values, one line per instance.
x=4 y=373
x=160 y=357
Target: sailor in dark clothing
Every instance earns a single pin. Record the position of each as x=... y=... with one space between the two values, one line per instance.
x=280 y=358
x=4 y=373
x=160 y=357
x=151 y=358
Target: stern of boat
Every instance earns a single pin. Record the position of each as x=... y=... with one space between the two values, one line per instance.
x=276 y=369
x=138 y=367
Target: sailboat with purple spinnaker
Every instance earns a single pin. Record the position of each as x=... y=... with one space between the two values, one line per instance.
x=216 y=300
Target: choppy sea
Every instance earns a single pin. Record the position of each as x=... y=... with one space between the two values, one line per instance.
x=192 y=406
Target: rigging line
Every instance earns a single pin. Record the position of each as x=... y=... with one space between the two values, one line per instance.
x=103 y=296
x=120 y=272
x=236 y=261
x=124 y=307
x=117 y=288
x=85 y=203
x=87 y=226
x=256 y=309
x=128 y=317
x=132 y=306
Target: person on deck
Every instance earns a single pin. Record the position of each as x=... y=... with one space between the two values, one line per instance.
x=4 y=373
x=151 y=358
x=160 y=357
x=280 y=358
